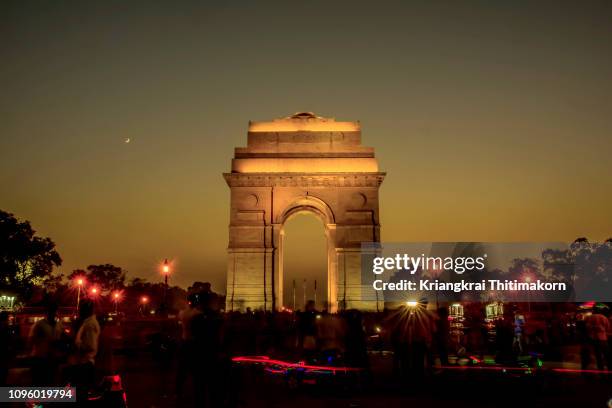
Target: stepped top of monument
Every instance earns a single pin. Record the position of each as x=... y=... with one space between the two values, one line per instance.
x=304 y=143
x=304 y=122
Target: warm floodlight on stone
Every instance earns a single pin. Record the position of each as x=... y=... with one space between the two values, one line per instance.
x=303 y=162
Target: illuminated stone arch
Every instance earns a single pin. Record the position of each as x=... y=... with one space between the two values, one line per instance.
x=316 y=206
x=302 y=163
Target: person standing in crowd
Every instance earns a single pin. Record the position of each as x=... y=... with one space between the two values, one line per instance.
x=5 y=347
x=519 y=330
x=206 y=329
x=609 y=340
x=504 y=338
x=86 y=348
x=331 y=334
x=356 y=354
x=442 y=335
x=412 y=338
x=187 y=344
x=598 y=326
x=307 y=330
x=582 y=334
x=44 y=336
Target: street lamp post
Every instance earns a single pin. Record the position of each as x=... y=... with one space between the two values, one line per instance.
x=116 y=298
x=143 y=302
x=166 y=272
x=528 y=279
x=80 y=283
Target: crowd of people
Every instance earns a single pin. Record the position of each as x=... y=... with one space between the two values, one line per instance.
x=58 y=355
x=206 y=339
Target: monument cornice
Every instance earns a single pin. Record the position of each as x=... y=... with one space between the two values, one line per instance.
x=304 y=179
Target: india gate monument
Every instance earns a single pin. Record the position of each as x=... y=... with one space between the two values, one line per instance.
x=291 y=165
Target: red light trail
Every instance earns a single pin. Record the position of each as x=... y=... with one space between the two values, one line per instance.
x=286 y=365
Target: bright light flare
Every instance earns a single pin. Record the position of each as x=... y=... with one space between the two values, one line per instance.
x=165 y=267
x=144 y=299
x=528 y=275
x=528 y=278
x=412 y=304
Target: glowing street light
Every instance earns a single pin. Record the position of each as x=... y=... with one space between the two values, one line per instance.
x=412 y=304
x=143 y=304
x=80 y=282
x=528 y=279
x=94 y=291
x=116 y=297
x=166 y=273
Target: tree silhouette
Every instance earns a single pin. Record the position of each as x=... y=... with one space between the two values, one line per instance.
x=138 y=287
x=26 y=260
x=106 y=277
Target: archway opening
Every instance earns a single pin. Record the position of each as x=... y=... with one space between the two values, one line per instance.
x=304 y=261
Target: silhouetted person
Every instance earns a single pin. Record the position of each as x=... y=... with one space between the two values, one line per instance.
x=582 y=334
x=356 y=353
x=504 y=338
x=519 y=332
x=597 y=329
x=82 y=374
x=331 y=334
x=441 y=335
x=421 y=328
x=5 y=346
x=399 y=345
x=44 y=336
x=609 y=340
x=187 y=344
x=208 y=373
x=411 y=340
x=307 y=330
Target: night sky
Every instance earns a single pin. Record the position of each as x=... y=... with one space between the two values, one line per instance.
x=493 y=120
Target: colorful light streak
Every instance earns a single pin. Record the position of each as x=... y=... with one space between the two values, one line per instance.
x=580 y=371
x=526 y=369
x=287 y=366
